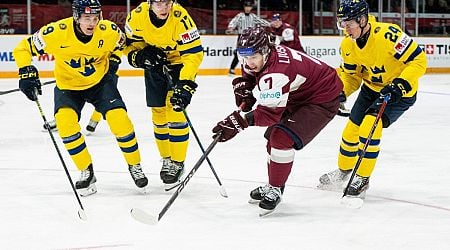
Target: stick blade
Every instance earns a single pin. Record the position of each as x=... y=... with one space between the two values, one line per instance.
x=82 y=214
x=223 y=192
x=352 y=202
x=143 y=217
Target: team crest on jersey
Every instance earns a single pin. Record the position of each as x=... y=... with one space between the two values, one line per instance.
x=190 y=35
x=102 y=26
x=62 y=26
x=177 y=13
x=402 y=43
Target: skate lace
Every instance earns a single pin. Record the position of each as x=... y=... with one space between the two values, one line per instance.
x=263 y=189
x=174 y=167
x=273 y=193
x=136 y=172
x=358 y=182
x=165 y=164
x=85 y=174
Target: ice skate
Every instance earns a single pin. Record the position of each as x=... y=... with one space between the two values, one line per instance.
x=51 y=125
x=257 y=194
x=86 y=184
x=138 y=177
x=270 y=200
x=165 y=167
x=171 y=179
x=334 y=180
x=356 y=192
x=231 y=73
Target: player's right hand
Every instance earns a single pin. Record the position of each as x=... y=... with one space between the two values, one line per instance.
x=343 y=111
x=243 y=88
x=148 y=58
x=29 y=82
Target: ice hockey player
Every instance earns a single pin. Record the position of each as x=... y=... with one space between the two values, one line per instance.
x=285 y=33
x=379 y=59
x=87 y=56
x=162 y=33
x=298 y=96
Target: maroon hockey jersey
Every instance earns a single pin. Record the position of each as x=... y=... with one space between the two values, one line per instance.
x=291 y=78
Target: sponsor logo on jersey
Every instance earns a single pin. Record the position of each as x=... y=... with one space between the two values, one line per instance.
x=38 y=41
x=402 y=44
x=190 y=35
x=270 y=94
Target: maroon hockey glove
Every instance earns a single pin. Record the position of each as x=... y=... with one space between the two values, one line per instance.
x=242 y=88
x=229 y=127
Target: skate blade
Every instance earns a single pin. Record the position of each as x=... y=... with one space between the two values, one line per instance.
x=145 y=190
x=353 y=202
x=82 y=214
x=168 y=187
x=253 y=201
x=264 y=212
x=143 y=217
x=330 y=187
x=92 y=189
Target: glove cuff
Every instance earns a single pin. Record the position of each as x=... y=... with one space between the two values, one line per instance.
x=403 y=85
x=250 y=118
x=28 y=72
x=132 y=58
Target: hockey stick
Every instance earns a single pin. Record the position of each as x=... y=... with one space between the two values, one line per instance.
x=358 y=202
x=81 y=212
x=144 y=217
x=15 y=90
x=222 y=190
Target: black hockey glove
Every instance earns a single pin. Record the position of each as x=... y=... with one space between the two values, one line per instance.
x=242 y=88
x=29 y=82
x=182 y=94
x=343 y=111
x=397 y=88
x=149 y=57
x=114 y=62
x=229 y=127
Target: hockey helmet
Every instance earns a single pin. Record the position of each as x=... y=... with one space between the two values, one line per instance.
x=276 y=17
x=254 y=40
x=352 y=10
x=248 y=3
x=85 y=7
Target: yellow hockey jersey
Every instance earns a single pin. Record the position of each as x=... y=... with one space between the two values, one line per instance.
x=389 y=53
x=78 y=65
x=178 y=37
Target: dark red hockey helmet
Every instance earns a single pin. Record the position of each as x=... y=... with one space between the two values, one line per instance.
x=254 y=40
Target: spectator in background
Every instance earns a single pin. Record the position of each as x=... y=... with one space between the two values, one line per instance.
x=240 y=22
x=285 y=33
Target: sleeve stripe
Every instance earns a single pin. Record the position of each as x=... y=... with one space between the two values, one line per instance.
x=30 y=43
x=414 y=54
x=397 y=55
x=192 y=50
x=349 y=66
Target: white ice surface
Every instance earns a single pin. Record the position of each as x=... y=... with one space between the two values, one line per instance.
x=407 y=205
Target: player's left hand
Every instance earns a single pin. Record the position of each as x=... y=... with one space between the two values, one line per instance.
x=229 y=127
x=182 y=94
x=114 y=62
x=397 y=88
